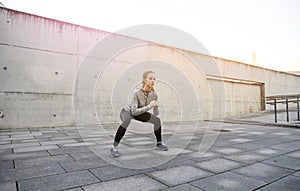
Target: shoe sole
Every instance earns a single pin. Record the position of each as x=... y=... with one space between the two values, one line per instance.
x=114 y=156
x=162 y=149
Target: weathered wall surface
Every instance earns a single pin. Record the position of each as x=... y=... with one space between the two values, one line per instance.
x=49 y=77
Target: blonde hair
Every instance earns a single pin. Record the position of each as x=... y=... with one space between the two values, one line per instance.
x=145 y=75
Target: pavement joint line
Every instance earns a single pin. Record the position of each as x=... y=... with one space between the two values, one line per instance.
x=59 y=146
x=49 y=153
x=62 y=167
x=216 y=173
x=95 y=174
x=148 y=175
x=14 y=164
x=71 y=156
x=256 y=161
x=126 y=176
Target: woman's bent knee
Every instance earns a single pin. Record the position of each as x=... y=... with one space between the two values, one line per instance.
x=156 y=121
x=125 y=123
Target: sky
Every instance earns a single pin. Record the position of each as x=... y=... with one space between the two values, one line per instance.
x=230 y=29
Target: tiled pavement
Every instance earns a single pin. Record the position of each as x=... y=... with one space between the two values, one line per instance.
x=248 y=157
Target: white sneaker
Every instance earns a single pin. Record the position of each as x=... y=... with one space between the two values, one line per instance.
x=114 y=152
x=162 y=147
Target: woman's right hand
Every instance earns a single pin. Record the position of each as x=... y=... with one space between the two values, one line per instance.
x=154 y=103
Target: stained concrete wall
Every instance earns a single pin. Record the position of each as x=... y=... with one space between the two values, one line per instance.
x=43 y=82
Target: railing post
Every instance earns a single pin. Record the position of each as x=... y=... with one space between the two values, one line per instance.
x=275 y=110
x=298 y=118
x=287 y=110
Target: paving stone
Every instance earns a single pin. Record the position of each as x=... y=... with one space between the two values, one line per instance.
x=18 y=138
x=134 y=139
x=263 y=172
x=74 y=189
x=64 y=138
x=227 y=150
x=58 y=142
x=282 y=133
x=2 y=136
x=289 y=183
x=297 y=174
x=5 y=165
x=224 y=143
x=295 y=154
x=268 y=142
x=284 y=161
x=83 y=155
x=67 y=150
x=137 y=143
x=132 y=183
x=4 y=142
x=248 y=146
x=29 y=141
x=183 y=187
x=240 y=140
x=8 y=146
x=133 y=155
x=287 y=147
x=256 y=133
x=8 y=186
x=172 y=151
x=5 y=152
x=111 y=172
x=44 y=137
x=176 y=161
x=218 y=165
x=200 y=156
x=269 y=151
x=77 y=144
x=27 y=134
x=247 y=157
x=27 y=155
x=35 y=148
x=42 y=160
x=178 y=175
x=21 y=137
x=253 y=137
x=15 y=132
x=83 y=164
x=58 y=182
x=20 y=174
x=228 y=181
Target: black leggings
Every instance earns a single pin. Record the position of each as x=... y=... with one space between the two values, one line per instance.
x=126 y=118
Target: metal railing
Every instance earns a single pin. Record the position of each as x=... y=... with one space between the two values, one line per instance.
x=284 y=99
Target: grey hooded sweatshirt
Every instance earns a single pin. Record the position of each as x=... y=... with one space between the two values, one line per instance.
x=140 y=102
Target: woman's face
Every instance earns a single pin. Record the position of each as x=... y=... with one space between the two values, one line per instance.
x=150 y=80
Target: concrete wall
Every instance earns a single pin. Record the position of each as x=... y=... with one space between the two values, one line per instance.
x=49 y=77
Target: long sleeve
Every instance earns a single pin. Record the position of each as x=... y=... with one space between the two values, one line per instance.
x=155 y=109
x=134 y=105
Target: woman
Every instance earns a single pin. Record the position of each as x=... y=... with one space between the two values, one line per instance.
x=143 y=99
